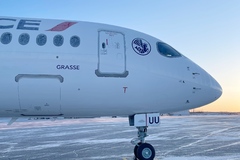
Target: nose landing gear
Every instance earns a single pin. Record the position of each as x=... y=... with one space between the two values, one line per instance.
x=142 y=150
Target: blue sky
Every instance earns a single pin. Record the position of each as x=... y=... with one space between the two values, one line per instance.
x=206 y=31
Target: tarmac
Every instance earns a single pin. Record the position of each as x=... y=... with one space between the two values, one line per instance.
x=205 y=137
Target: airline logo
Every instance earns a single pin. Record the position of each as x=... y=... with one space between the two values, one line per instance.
x=28 y=24
x=141 y=46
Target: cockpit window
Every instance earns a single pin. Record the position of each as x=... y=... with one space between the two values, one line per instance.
x=166 y=50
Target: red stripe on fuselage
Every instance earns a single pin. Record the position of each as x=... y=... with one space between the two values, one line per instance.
x=62 y=26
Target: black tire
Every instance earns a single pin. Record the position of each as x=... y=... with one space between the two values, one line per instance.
x=145 y=152
x=135 y=149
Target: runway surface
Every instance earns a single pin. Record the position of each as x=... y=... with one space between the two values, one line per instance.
x=177 y=138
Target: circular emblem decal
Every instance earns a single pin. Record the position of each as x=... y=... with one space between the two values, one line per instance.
x=141 y=46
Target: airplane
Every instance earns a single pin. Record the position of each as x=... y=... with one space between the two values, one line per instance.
x=75 y=69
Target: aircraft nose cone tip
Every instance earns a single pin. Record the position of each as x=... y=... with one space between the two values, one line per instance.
x=217 y=87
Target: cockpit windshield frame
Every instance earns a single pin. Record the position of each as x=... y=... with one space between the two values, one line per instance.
x=167 y=51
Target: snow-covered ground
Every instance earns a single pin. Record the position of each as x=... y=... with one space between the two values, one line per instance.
x=208 y=137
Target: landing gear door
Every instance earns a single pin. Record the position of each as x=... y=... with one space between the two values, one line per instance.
x=111 y=54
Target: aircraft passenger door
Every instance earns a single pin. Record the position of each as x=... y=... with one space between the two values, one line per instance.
x=111 y=54
x=39 y=95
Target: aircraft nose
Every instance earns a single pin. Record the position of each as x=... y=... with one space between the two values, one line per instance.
x=216 y=87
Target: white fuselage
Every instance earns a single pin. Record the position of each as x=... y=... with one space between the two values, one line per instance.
x=82 y=69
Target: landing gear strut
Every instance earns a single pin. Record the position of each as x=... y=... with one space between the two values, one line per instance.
x=142 y=150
